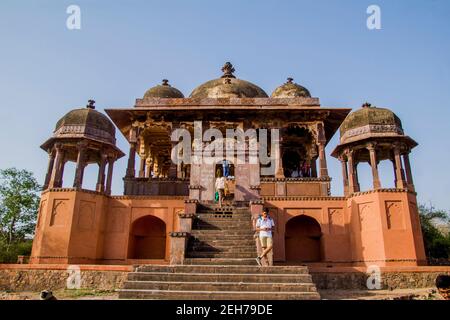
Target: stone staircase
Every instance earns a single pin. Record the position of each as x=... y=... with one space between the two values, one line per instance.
x=222 y=236
x=220 y=265
x=214 y=282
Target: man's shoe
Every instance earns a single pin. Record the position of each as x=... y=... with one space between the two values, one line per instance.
x=258 y=261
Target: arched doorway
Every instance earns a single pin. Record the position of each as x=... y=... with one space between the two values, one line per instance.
x=147 y=239
x=302 y=238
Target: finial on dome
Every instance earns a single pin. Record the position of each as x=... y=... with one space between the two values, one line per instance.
x=290 y=80
x=366 y=105
x=91 y=104
x=228 y=70
x=165 y=82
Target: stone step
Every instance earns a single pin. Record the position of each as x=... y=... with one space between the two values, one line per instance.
x=214 y=237
x=206 y=254
x=220 y=286
x=223 y=269
x=220 y=233
x=225 y=243
x=215 y=295
x=220 y=261
x=230 y=248
x=220 y=277
x=224 y=223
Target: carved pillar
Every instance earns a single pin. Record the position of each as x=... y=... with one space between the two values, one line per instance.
x=149 y=167
x=142 y=168
x=173 y=167
x=408 y=171
x=111 y=161
x=352 y=179
x=51 y=161
x=373 y=164
x=322 y=161
x=279 y=170
x=101 y=174
x=323 y=169
x=131 y=161
x=344 y=174
x=56 y=176
x=79 y=171
x=399 y=173
x=313 y=164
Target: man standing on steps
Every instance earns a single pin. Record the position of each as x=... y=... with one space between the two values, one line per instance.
x=220 y=187
x=265 y=226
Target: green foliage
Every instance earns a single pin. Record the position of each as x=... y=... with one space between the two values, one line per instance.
x=437 y=244
x=9 y=253
x=19 y=203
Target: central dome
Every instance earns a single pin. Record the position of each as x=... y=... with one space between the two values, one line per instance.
x=228 y=86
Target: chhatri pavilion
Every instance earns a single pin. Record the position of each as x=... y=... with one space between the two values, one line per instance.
x=167 y=213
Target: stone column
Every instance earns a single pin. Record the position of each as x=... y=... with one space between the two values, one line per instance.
x=313 y=165
x=323 y=169
x=51 y=161
x=322 y=161
x=344 y=174
x=79 y=171
x=178 y=243
x=110 y=174
x=408 y=171
x=101 y=174
x=149 y=166
x=352 y=179
x=142 y=168
x=373 y=164
x=399 y=173
x=131 y=161
x=279 y=170
x=56 y=176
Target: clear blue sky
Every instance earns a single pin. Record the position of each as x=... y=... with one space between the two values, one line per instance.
x=125 y=47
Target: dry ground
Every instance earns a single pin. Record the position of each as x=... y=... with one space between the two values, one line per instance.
x=403 y=294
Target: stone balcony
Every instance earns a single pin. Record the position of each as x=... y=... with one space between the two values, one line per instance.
x=274 y=187
x=156 y=186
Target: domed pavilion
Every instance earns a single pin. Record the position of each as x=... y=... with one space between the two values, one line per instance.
x=272 y=151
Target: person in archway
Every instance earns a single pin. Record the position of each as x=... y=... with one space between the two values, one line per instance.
x=226 y=168
x=220 y=187
x=265 y=226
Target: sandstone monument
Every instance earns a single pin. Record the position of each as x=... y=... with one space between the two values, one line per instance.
x=168 y=214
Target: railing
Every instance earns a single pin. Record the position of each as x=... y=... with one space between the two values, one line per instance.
x=272 y=187
x=156 y=186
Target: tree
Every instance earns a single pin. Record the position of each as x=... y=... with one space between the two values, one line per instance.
x=19 y=203
x=437 y=244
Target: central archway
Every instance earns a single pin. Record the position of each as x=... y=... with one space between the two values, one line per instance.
x=302 y=240
x=147 y=239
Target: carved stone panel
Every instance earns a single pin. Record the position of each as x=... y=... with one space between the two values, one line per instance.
x=336 y=221
x=394 y=215
x=59 y=213
x=367 y=219
x=86 y=217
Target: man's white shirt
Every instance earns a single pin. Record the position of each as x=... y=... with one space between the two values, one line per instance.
x=267 y=223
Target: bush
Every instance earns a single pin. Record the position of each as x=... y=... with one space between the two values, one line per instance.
x=9 y=254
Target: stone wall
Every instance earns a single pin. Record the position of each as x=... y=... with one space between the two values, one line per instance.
x=52 y=278
x=395 y=278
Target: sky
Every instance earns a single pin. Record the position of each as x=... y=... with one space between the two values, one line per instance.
x=125 y=47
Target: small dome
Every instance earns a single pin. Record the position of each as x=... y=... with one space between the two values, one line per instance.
x=86 y=122
x=164 y=90
x=370 y=122
x=228 y=87
x=291 y=90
